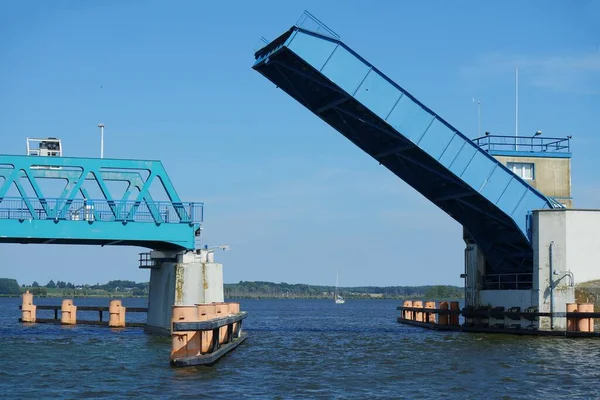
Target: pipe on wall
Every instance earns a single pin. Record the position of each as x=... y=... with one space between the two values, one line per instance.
x=551 y=265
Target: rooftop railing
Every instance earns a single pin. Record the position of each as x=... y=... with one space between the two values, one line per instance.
x=532 y=144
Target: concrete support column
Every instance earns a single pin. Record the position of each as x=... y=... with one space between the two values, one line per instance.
x=181 y=279
x=474 y=270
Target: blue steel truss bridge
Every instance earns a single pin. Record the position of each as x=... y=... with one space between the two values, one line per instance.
x=310 y=63
x=95 y=201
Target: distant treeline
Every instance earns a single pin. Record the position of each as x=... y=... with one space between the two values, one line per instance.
x=121 y=287
x=9 y=286
x=245 y=289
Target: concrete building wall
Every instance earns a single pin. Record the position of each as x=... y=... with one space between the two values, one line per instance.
x=576 y=237
x=564 y=241
x=583 y=240
x=507 y=299
x=552 y=176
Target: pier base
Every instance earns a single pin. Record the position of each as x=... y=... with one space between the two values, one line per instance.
x=204 y=333
x=565 y=248
x=178 y=279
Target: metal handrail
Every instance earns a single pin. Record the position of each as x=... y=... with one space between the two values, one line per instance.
x=524 y=143
x=307 y=20
x=90 y=210
x=510 y=281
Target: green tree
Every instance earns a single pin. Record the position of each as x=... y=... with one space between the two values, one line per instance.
x=51 y=284
x=35 y=284
x=9 y=286
x=39 y=291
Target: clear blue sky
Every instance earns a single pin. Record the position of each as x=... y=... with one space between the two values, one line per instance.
x=293 y=198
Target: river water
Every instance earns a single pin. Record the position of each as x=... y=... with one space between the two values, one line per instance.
x=296 y=349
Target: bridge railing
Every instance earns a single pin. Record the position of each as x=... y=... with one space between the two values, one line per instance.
x=514 y=281
x=90 y=210
x=530 y=144
x=311 y=23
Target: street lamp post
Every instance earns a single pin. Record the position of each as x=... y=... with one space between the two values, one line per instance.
x=478 y=118
x=101 y=126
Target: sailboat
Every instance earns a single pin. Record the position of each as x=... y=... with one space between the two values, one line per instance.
x=338 y=298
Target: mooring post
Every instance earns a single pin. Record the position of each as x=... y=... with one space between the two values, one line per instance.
x=116 y=311
x=234 y=308
x=443 y=318
x=206 y=312
x=454 y=317
x=418 y=314
x=184 y=343
x=68 y=313
x=572 y=321
x=28 y=309
x=222 y=310
x=408 y=314
x=585 y=324
x=430 y=317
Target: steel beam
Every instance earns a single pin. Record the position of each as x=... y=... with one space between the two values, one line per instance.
x=310 y=77
x=394 y=151
x=333 y=104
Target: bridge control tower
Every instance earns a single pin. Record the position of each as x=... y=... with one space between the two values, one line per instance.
x=543 y=162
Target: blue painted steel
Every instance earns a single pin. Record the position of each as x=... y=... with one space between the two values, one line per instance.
x=387 y=122
x=75 y=218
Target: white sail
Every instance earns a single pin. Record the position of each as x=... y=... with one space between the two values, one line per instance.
x=338 y=299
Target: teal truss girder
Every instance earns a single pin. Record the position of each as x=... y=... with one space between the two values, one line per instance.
x=97 y=201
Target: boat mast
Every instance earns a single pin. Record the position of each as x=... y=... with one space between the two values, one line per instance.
x=337 y=278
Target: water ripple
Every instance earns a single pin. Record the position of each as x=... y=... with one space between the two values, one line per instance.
x=296 y=350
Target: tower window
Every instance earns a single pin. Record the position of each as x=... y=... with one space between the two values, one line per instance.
x=524 y=170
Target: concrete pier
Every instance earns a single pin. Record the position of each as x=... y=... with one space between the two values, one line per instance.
x=565 y=247
x=181 y=279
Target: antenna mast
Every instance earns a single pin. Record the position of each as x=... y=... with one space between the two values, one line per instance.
x=516 y=108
